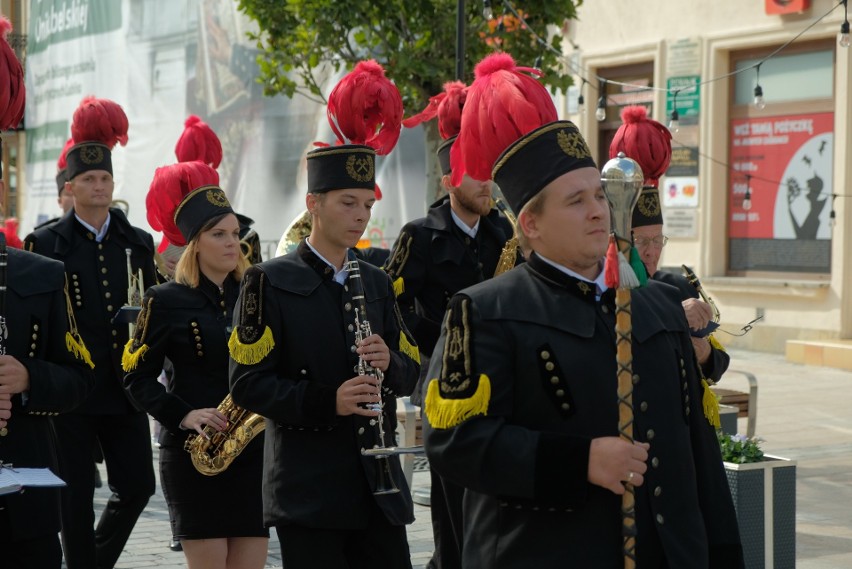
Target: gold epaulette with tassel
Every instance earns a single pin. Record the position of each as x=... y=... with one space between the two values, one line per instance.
x=135 y=348
x=407 y=345
x=397 y=261
x=251 y=340
x=73 y=341
x=710 y=402
x=444 y=413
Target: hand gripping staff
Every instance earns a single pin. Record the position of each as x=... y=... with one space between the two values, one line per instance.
x=622 y=181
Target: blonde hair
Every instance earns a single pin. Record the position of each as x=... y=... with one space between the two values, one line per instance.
x=188 y=269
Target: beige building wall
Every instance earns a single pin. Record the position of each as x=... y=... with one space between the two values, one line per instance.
x=615 y=33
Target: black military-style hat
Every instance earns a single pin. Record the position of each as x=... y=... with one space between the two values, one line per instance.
x=87 y=156
x=198 y=207
x=341 y=167
x=538 y=158
x=444 y=155
x=61 y=178
x=647 y=210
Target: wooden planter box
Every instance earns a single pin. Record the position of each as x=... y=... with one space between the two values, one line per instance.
x=765 y=499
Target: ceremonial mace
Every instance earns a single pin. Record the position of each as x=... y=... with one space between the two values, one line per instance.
x=622 y=180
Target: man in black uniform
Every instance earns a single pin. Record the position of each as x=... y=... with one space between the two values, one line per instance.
x=649 y=143
x=42 y=374
x=522 y=410
x=457 y=244
x=294 y=350
x=92 y=241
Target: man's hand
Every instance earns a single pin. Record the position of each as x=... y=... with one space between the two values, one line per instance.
x=355 y=392
x=375 y=352
x=197 y=419
x=613 y=460
x=14 y=377
x=702 y=349
x=5 y=409
x=698 y=313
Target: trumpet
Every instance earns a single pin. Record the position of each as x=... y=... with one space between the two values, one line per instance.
x=135 y=292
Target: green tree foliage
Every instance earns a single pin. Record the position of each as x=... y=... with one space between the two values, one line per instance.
x=413 y=39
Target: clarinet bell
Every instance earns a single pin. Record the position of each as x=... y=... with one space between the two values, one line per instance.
x=384 y=480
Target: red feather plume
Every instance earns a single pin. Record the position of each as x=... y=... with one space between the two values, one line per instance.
x=168 y=188
x=12 y=91
x=365 y=107
x=447 y=106
x=198 y=142
x=503 y=104
x=10 y=230
x=644 y=140
x=62 y=161
x=99 y=120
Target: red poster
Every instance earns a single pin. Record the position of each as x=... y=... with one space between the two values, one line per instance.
x=786 y=161
x=786 y=6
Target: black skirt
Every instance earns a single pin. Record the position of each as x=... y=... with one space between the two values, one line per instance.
x=228 y=504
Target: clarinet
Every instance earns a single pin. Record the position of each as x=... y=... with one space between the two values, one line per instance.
x=384 y=480
x=4 y=331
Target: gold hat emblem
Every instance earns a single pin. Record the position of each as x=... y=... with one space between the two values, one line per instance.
x=361 y=168
x=91 y=154
x=649 y=203
x=218 y=198
x=573 y=144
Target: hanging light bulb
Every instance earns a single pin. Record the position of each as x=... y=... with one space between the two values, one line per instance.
x=487 y=11
x=832 y=218
x=674 y=123
x=538 y=62
x=581 y=101
x=844 y=34
x=759 y=103
x=600 y=112
x=747 y=199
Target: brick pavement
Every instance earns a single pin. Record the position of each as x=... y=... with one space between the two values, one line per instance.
x=804 y=413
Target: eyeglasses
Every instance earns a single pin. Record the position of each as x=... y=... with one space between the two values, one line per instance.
x=659 y=241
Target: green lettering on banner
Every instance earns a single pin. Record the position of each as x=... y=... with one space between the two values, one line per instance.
x=54 y=21
x=688 y=97
x=45 y=142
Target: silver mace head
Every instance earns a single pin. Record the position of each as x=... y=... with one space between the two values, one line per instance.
x=622 y=180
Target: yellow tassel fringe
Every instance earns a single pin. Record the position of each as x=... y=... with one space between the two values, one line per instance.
x=406 y=348
x=250 y=354
x=130 y=359
x=716 y=343
x=398 y=286
x=447 y=413
x=710 y=402
x=76 y=346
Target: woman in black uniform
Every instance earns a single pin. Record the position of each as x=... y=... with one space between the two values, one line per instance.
x=217 y=518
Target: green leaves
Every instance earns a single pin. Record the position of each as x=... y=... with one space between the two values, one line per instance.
x=413 y=39
x=739 y=448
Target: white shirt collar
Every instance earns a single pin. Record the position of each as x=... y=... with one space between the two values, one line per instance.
x=471 y=231
x=339 y=276
x=599 y=281
x=99 y=235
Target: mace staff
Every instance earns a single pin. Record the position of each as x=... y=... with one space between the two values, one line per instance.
x=622 y=180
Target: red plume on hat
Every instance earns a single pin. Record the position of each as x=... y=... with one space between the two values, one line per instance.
x=198 y=142
x=365 y=107
x=62 y=161
x=99 y=120
x=10 y=230
x=503 y=104
x=12 y=91
x=644 y=140
x=447 y=106
x=170 y=185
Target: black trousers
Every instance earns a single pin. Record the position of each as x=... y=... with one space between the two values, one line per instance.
x=446 y=510
x=378 y=545
x=126 y=444
x=42 y=552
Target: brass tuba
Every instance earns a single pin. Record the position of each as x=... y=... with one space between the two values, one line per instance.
x=298 y=229
x=214 y=452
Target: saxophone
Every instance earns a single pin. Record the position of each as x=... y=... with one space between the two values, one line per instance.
x=509 y=254
x=214 y=452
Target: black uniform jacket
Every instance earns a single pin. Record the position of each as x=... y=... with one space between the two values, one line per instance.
x=314 y=473
x=190 y=327
x=433 y=259
x=37 y=319
x=546 y=348
x=97 y=281
x=718 y=362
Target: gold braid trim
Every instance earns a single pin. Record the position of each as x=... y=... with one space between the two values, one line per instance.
x=73 y=341
x=250 y=354
x=448 y=413
x=398 y=286
x=397 y=262
x=135 y=348
x=130 y=358
x=407 y=348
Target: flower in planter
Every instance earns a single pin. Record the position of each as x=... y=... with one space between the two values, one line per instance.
x=739 y=449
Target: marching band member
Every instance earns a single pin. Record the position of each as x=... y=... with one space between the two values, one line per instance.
x=218 y=518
